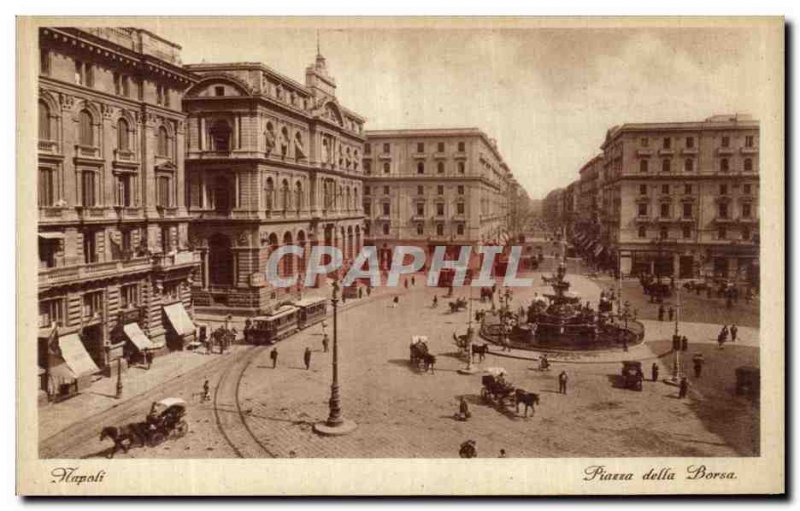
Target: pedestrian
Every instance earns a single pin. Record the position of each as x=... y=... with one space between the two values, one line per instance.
x=273 y=355
x=684 y=343
x=413 y=281
x=463 y=410
x=206 y=392
x=325 y=343
x=698 y=365
x=405 y=284
x=734 y=331
x=671 y=313
x=307 y=358
x=502 y=453
x=725 y=332
x=720 y=340
x=562 y=382
x=661 y=312
x=435 y=301
x=654 y=371
x=684 y=388
x=395 y=301
x=360 y=292
x=369 y=290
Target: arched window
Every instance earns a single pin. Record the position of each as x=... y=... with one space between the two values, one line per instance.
x=122 y=135
x=285 y=197
x=86 y=135
x=298 y=191
x=220 y=133
x=748 y=164
x=269 y=194
x=162 y=147
x=44 y=121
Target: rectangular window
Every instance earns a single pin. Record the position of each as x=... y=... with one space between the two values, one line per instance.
x=663 y=233
x=88 y=188
x=440 y=209
x=126 y=86
x=642 y=231
x=642 y=209
x=90 y=247
x=460 y=208
x=172 y=291
x=420 y=230
x=722 y=233
x=92 y=304
x=461 y=167
x=439 y=190
x=386 y=190
x=687 y=210
x=726 y=141
x=462 y=147
x=79 y=78
x=746 y=210
x=746 y=234
x=47 y=187
x=89 y=71
x=166 y=239
x=690 y=142
x=723 y=189
x=665 y=211
x=420 y=209
x=420 y=190
x=439 y=230
x=386 y=167
x=367 y=148
x=460 y=229
x=687 y=231
x=687 y=189
x=367 y=208
x=368 y=167
x=644 y=141
x=461 y=189
x=385 y=209
x=385 y=228
x=746 y=189
x=642 y=189
x=723 y=210
x=124 y=195
x=164 y=197
x=117 y=84
x=367 y=190
x=386 y=148
x=665 y=189
x=420 y=147
x=440 y=147
x=51 y=311
x=749 y=141
x=129 y=296
x=48 y=248
x=667 y=143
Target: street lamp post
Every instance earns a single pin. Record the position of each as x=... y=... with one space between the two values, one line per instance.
x=119 y=378
x=336 y=424
x=470 y=334
x=677 y=372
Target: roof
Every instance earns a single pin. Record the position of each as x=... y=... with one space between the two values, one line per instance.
x=305 y=302
x=172 y=401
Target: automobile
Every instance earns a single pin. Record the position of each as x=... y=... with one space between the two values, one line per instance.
x=632 y=375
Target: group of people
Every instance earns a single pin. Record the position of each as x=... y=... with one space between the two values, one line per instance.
x=722 y=337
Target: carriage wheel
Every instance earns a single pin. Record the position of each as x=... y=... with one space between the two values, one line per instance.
x=181 y=429
x=156 y=438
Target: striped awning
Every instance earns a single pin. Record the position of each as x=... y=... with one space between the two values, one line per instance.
x=137 y=337
x=76 y=356
x=179 y=319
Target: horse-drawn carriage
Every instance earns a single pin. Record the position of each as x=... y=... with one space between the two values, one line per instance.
x=632 y=375
x=497 y=389
x=165 y=420
x=458 y=304
x=420 y=356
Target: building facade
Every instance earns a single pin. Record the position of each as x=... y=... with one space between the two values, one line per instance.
x=680 y=199
x=428 y=188
x=269 y=162
x=113 y=225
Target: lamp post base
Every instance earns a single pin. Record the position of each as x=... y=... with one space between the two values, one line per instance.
x=468 y=370
x=341 y=428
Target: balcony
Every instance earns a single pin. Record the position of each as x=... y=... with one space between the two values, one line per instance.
x=91 y=271
x=749 y=150
x=439 y=155
x=385 y=156
x=176 y=260
x=460 y=155
x=125 y=156
x=83 y=151
x=666 y=152
x=689 y=150
x=167 y=211
x=48 y=146
x=722 y=151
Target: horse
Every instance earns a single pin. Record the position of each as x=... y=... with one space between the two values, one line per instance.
x=529 y=399
x=130 y=432
x=480 y=350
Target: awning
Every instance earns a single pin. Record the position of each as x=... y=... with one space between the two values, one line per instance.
x=137 y=337
x=51 y=235
x=598 y=249
x=76 y=356
x=179 y=318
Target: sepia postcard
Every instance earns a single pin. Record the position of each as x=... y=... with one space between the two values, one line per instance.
x=400 y=256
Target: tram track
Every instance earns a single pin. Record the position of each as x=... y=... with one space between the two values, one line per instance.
x=230 y=419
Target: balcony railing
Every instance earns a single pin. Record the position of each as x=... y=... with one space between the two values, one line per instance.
x=724 y=150
x=749 y=150
x=173 y=259
x=123 y=155
x=48 y=146
x=92 y=270
x=84 y=151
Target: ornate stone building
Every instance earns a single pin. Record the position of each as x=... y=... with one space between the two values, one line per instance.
x=269 y=162
x=434 y=187
x=113 y=226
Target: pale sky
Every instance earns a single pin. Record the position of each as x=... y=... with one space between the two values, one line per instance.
x=547 y=95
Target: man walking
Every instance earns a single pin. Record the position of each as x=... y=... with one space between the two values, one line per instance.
x=562 y=382
x=325 y=343
x=698 y=364
x=206 y=392
x=734 y=331
x=413 y=281
x=654 y=371
x=307 y=358
x=661 y=312
x=684 y=388
x=273 y=355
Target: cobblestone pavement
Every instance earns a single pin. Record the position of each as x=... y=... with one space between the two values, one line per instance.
x=405 y=413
